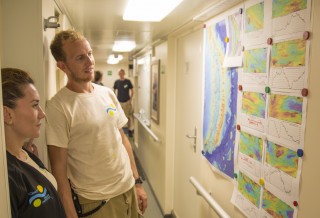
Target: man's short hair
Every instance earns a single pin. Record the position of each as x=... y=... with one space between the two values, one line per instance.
x=57 y=43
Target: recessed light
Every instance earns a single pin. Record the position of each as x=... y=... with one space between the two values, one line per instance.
x=149 y=10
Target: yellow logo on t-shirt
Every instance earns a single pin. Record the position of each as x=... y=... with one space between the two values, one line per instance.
x=111 y=110
x=39 y=196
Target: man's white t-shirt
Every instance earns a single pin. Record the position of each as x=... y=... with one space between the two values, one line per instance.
x=87 y=124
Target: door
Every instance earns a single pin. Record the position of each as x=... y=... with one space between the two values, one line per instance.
x=188 y=116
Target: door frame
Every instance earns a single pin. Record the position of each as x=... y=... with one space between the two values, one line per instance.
x=4 y=184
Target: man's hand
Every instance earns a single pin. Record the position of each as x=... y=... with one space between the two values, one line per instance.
x=142 y=198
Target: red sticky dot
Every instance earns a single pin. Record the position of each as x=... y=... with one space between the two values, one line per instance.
x=204 y=25
x=306 y=35
x=295 y=203
x=269 y=41
x=304 y=92
x=238 y=127
x=240 y=87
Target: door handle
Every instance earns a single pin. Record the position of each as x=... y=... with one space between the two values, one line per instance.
x=191 y=137
x=194 y=137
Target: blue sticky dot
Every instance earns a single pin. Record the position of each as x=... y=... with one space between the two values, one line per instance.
x=300 y=152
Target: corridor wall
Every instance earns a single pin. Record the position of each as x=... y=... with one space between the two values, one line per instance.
x=152 y=154
x=4 y=186
x=25 y=45
x=219 y=187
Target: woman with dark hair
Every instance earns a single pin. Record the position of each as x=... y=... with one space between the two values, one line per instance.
x=33 y=190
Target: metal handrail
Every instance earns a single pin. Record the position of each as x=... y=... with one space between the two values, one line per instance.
x=213 y=204
x=143 y=123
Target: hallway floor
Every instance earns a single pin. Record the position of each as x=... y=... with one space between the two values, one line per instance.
x=153 y=209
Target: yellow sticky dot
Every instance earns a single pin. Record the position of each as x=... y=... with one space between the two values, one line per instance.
x=261 y=181
x=37 y=203
x=40 y=188
x=111 y=113
x=227 y=39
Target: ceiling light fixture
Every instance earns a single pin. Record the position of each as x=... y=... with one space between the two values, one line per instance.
x=114 y=58
x=149 y=10
x=123 y=46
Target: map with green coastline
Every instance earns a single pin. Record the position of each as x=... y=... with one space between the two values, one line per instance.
x=249 y=189
x=254 y=103
x=282 y=158
x=254 y=18
x=283 y=7
x=290 y=53
x=276 y=207
x=255 y=60
x=285 y=107
x=251 y=145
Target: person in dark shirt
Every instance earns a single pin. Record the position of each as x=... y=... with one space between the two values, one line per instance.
x=98 y=77
x=33 y=189
x=124 y=91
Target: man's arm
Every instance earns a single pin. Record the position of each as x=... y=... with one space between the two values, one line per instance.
x=141 y=194
x=58 y=160
x=131 y=92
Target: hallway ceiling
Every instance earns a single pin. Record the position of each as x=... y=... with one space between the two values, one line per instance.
x=101 y=22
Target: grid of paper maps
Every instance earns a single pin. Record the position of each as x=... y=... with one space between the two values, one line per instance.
x=271 y=107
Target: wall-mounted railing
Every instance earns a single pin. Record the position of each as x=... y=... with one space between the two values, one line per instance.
x=203 y=193
x=145 y=123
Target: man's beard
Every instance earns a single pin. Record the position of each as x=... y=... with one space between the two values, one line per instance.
x=76 y=78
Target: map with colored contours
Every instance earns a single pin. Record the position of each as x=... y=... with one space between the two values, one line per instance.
x=220 y=104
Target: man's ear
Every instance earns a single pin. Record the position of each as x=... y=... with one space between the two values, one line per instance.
x=7 y=115
x=61 y=65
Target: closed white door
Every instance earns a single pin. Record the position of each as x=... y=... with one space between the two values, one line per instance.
x=188 y=117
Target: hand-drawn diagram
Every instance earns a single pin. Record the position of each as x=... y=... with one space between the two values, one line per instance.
x=288 y=71
x=281 y=169
x=287 y=78
x=285 y=118
x=289 y=16
x=245 y=205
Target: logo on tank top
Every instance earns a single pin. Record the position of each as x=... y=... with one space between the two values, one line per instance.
x=39 y=196
x=111 y=110
x=125 y=86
